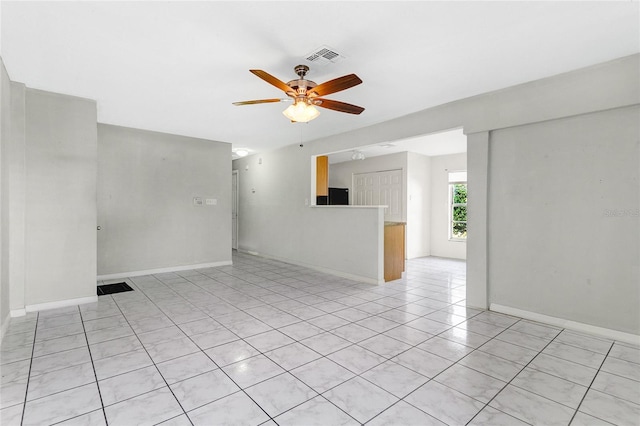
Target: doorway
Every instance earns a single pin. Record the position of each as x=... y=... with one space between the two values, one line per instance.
x=234 y=210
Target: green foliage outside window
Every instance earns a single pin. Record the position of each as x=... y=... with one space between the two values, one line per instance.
x=459 y=210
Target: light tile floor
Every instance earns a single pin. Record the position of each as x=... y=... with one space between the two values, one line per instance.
x=264 y=342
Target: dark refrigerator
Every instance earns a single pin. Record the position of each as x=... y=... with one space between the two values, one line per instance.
x=339 y=196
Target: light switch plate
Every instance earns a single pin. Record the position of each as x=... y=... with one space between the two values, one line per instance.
x=197 y=201
x=211 y=201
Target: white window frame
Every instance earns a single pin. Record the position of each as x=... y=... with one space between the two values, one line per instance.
x=456 y=178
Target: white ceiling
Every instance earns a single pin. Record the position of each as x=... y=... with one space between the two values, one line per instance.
x=177 y=66
x=449 y=142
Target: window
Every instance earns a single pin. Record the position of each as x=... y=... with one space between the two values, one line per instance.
x=458 y=206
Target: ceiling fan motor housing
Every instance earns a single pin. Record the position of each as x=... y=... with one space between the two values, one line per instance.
x=301 y=70
x=301 y=86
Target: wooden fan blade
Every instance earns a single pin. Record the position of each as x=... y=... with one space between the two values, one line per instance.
x=336 y=85
x=273 y=81
x=257 y=101
x=338 y=106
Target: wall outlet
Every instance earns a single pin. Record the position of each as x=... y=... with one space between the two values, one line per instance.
x=211 y=201
x=197 y=201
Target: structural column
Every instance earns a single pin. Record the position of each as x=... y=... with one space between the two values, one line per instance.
x=477 y=232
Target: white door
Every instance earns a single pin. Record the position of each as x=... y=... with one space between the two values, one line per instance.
x=234 y=209
x=380 y=188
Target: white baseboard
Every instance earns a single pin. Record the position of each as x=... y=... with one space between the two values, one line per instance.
x=162 y=270
x=316 y=268
x=568 y=324
x=18 y=312
x=61 y=304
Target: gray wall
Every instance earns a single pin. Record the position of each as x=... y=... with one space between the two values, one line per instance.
x=563 y=218
x=60 y=225
x=146 y=185
x=5 y=106
x=441 y=246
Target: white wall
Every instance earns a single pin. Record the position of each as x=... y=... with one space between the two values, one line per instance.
x=17 y=196
x=61 y=166
x=440 y=244
x=415 y=192
x=555 y=246
x=49 y=197
x=5 y=106
x=601 y=87
x=275 y=220
x=341 y=176
x=13 y=179
x=146 y=185
x=418 y=205
x=477 y=231
x=425 y=197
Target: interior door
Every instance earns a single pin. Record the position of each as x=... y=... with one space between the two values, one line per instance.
x=380 y=188
x=234 y=210
x=363 y=193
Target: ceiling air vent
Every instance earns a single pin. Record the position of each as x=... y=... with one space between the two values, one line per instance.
x=324 y=55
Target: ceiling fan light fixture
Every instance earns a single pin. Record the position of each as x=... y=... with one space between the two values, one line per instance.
x=301 y=112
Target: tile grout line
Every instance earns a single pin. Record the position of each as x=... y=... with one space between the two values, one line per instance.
x=387 y=359
x=154 y=364
x=266 y=356
x=330 y=293
x=457 y=362
x=202 y=351
x=93 y=367
x=280 y=309
x=516 y=375
x=591 y=384
x=325 y=313
x=378 y=334
x=370 y=315
x=74 y=387
x=296 y=341
x=33 y=349
x=432 y=378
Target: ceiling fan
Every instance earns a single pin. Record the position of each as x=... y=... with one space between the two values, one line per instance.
x=306 y=94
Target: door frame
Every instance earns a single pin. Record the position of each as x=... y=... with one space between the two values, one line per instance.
x=235 y=201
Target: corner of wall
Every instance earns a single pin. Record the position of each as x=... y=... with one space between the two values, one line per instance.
x=5 y=107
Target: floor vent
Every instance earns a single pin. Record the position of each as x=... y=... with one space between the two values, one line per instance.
x=113 y=288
